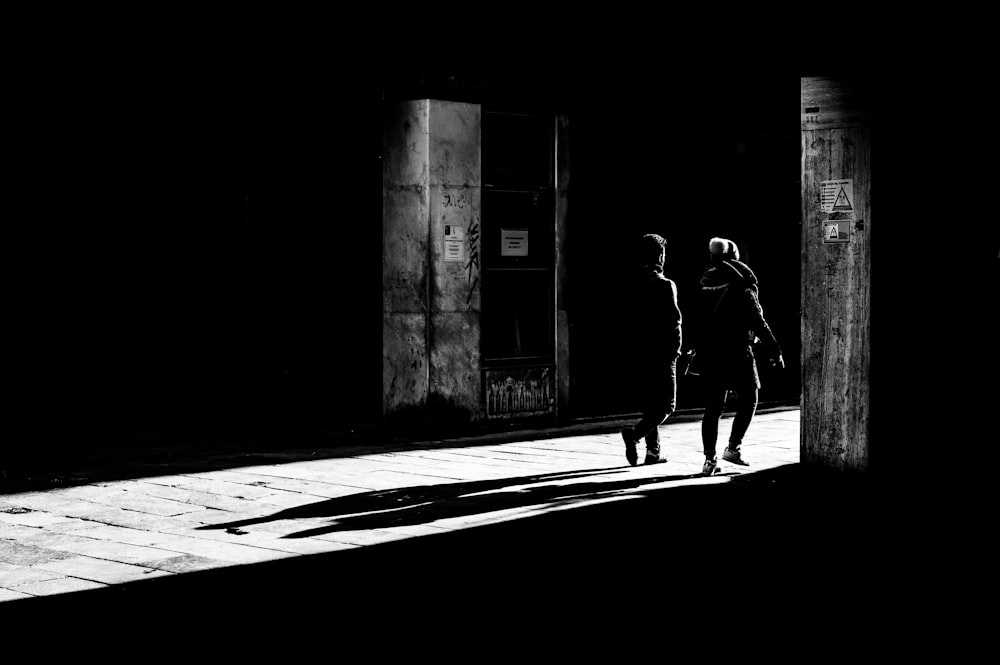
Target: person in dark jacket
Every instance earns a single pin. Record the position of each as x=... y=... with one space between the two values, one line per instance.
x=732 y=320
x=658 y=339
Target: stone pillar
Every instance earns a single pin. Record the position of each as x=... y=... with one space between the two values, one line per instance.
x=563 y=401
x=405 y=258
x=430 y=261
x=455 y=194
x=836 y=272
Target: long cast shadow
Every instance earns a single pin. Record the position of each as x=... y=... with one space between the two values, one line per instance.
x=773 y=534
x=411 y=506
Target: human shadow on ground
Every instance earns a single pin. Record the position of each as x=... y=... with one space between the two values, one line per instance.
x=776 y=535
x=421 y=504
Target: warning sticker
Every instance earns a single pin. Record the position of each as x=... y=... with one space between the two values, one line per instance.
x=837 y=195
x=836 y=232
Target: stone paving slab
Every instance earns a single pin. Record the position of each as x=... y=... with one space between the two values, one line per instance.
x=130 y=519
x=100 y=570
x=186 y=563
x=17 y=532
x=292 y=499
x=58 y=504
x=22 y=575
x=330 y=475
x=33 y=518
x=123 y=535
x=183 y=544
x=20 y=554
x=94 y=547
x=10 y=594
x=142 y=503
x=60 y=585
x=266 y=483
x=213 y=516
x=210 y=485
x=201 y=499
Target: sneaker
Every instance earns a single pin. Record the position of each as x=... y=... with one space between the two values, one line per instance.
x=630 y=453
x=654 y=458
x=734 y=457
x=710 y=466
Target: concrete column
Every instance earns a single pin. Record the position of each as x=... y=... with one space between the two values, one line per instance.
x=836 y=272
x=430 y=261
x=562 y=133
x=455 y=195
x=405 y=257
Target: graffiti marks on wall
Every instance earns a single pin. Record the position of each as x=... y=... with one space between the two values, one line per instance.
x=473 y=265
x=518 y=393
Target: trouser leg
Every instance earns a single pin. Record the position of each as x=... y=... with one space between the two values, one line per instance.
x=745 y=410
x=715 y=403
x=659 y=404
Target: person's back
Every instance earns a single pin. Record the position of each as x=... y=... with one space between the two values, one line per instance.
x=728 y=293
x=659 y=318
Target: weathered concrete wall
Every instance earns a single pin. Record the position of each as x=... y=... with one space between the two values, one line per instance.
x=455 y=187
x=836 y=301
x=405 y=253
x=563 y=401
x=431 y=302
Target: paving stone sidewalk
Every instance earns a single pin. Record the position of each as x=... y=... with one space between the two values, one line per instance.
x=113 y=532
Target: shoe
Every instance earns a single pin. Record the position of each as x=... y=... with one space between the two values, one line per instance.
x=630 y=453
x=710 y=466
x=654 y=458
x=734 y=457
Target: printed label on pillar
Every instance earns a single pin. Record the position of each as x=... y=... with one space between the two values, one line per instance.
x=454 y=243
x=835 y=232
x=837 y=195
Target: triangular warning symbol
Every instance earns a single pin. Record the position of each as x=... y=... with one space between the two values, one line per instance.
x=841 y=203
x=831 y=232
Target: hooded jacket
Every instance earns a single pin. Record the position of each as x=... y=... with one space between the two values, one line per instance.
x=731 y=319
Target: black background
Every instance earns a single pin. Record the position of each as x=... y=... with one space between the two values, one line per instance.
x=197 y=231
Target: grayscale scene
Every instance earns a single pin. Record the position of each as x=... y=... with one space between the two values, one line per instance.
x=488 y=351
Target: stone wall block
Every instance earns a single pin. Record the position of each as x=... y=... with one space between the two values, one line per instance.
x=454 y=366
x=405 y=146
x=404 y=362
x=455 y=146
x=405 y=212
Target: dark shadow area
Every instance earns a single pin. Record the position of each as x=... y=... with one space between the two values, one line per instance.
x=421 y=504
x=801 y=543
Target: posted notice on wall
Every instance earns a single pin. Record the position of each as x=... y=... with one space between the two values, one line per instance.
x=837 y=195
x=513 y=242
x=836 y=232
x=454 y=243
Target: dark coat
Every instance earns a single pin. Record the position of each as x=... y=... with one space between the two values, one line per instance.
x=659 y=320
x=731 y=319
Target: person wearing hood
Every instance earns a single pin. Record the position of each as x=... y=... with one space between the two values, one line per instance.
x=658 y=340
x=733 y=319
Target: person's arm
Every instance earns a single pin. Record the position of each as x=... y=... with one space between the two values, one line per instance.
x=671 y=313
x=763 y=331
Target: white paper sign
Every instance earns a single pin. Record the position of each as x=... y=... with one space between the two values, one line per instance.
x=454 y=243
x=513 y=242
x=837 y=195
